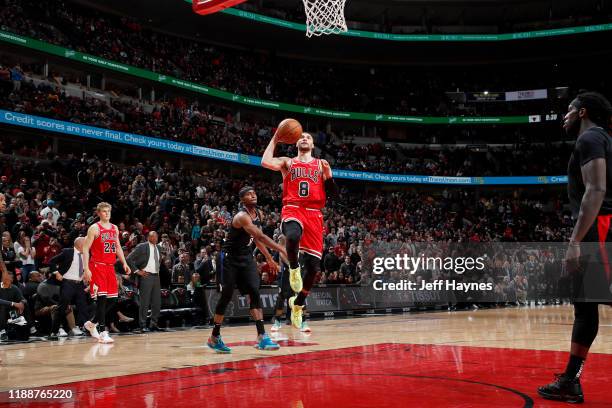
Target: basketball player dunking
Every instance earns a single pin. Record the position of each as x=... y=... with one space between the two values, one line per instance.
x=99 y=270
x=305 y=181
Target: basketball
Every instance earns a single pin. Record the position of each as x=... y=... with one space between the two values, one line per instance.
x=289 y=131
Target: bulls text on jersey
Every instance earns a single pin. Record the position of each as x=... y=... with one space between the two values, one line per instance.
x=301 y=172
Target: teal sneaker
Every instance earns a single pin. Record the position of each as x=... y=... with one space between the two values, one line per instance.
x=264 y=342
x=216 y=343
x=276 y=326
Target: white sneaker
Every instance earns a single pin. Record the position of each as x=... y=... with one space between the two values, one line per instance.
x=76 y=332
x=20 y=321
x=62 y=333
x=91 y=328
x=105 y=338
x=305 y=328
x=276 y=326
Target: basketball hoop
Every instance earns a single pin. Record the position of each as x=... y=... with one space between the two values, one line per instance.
x=324 y=17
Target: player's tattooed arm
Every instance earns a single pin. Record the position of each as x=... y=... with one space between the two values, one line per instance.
x=244 y=221
x=259 y=244
x=274 y=163
x=327 y=171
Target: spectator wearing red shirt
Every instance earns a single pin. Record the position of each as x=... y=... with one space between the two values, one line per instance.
x=50 y=251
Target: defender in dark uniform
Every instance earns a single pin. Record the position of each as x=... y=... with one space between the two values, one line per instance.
x=588 y=255
x=237 y=267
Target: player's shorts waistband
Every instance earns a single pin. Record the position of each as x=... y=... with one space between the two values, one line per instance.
x=305 y=208
x=103 y=263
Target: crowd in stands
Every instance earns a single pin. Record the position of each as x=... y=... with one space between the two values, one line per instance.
x=359 y=88
x=508 y=161
x=50 y=202
x=188 y=121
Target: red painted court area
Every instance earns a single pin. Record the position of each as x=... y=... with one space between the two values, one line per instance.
x=382 y=375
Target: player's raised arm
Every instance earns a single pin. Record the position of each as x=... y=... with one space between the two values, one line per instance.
x=273 y=163
x=327 y=171
x=92 y=233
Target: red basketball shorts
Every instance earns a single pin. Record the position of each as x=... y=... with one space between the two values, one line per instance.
x=311 y=221
x=103 y=280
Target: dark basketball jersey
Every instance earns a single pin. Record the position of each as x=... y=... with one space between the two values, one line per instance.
x=595 y=143
x=104 y=248
x=238 y=240
x=303 y=184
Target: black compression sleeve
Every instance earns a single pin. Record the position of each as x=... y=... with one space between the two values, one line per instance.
x=331 y=188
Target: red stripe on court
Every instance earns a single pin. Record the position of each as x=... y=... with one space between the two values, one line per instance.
x=381 y=375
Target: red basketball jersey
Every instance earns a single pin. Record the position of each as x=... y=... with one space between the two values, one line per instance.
x=104 y=248
x=303 y=184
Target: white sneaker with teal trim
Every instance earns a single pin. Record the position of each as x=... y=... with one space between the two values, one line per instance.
x=305 y=328
x=105 y=338
x=276 y=326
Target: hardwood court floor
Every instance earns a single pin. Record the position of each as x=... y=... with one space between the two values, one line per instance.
x=459 y=359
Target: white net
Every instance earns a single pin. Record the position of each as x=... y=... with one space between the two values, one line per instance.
x=324 y=17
